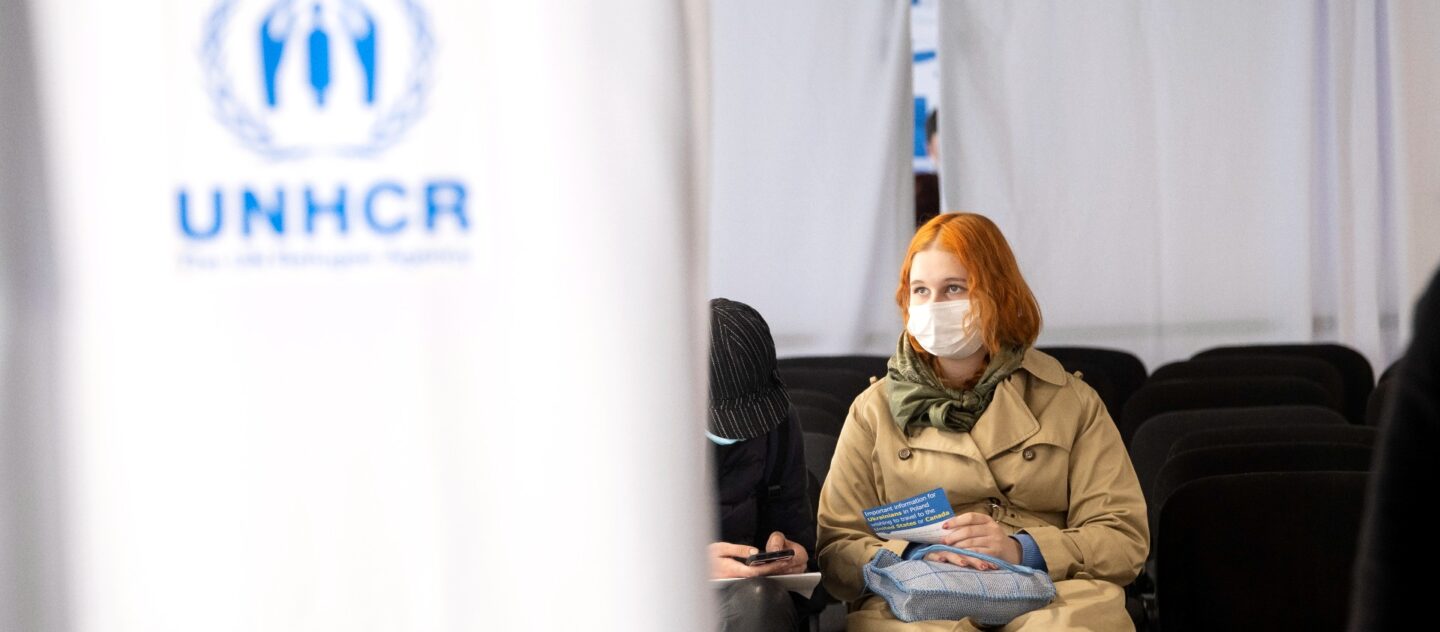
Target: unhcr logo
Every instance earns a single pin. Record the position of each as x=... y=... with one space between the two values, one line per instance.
x=299 y=78
x=306 y=79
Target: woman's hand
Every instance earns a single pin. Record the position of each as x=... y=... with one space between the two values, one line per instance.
x=723 y=563
x=980 y=533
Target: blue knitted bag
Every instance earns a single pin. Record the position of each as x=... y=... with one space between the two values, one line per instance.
x=919 y=590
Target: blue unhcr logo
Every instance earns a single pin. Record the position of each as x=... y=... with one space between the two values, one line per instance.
x=298 y=78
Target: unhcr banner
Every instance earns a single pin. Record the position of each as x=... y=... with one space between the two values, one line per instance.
x=367 y=315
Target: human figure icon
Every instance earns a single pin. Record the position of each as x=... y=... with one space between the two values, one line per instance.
x=275 y=30
x=360 y=25
x=319 y=49
x=279 y=25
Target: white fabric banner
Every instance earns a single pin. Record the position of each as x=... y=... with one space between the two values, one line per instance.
x=1182 y=175
x=811 y=204
x=359 y=304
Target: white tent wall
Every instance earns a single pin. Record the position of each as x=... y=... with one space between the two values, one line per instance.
x=1180 y=175
x=257 y=437
x=811 y=201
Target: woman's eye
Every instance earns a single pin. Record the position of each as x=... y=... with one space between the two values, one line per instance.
x=955 y=289
x=921 y=290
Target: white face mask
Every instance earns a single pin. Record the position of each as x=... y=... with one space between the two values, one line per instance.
x=942 y=330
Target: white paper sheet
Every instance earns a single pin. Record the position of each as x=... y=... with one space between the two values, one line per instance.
x=803 y=583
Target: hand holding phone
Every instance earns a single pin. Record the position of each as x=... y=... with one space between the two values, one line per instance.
x=729 y=560
x=761 y=559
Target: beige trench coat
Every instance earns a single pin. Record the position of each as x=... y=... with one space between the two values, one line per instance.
x=1045 y=458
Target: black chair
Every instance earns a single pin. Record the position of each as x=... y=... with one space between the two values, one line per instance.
x=842 y=384
x=871 y=366
x=1379 y=401
x=1171 y=395
x=1185 y=467
x=812 y=488
x=1354 y=368
x=817 y=420
x=821 y=400
x=1346 y=434
x=819 y=450
x=1322 y=373
x=1125 y=372
x=1154 y=439
x=1095 y=376
x=1266 y=551
x=1389 y=371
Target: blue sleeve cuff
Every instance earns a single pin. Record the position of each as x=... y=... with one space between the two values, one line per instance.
x=1030 y=552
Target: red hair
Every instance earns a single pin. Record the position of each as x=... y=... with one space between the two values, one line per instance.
x=999 y=297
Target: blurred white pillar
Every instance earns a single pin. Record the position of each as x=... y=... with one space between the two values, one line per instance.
x=32 y=591
x=600 y=316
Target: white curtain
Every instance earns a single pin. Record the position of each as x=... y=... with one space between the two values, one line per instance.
x=811 y=191
x=1180 y=175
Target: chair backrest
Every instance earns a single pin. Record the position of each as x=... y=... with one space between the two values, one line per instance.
x=1266 y=551
x=1153 y=440
x=842 y=384
x=1171 y=395
x=819 y=450
x=1123 y=369
x=812 y=492
x=1322 y=373
x=1184 y=467
x=1097 y=378
x=1389 y=371
x=818 y=420
x=1265 y=435
x=819 y=399
x=871 y=366
x=1354 y=369
x=1380 y=398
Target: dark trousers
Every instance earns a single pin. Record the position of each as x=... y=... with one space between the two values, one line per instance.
x=757 y=605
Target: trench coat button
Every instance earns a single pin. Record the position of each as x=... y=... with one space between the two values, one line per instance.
x=904 y=453
x=1029 y=454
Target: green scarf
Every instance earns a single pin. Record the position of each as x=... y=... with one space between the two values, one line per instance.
x=918 y=398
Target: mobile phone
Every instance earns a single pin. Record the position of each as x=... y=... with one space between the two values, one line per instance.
x=760 y=559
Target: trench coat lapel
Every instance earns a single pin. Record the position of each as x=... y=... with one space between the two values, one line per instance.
x=1007 y=422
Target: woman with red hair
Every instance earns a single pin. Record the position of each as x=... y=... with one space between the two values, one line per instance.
x=1031 y=462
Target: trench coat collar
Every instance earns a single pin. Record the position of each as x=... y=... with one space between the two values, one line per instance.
x=1043 y=366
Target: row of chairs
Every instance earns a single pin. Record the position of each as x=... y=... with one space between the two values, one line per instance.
x=1282 y=423
x=1290 y=417
x=1307 y=463
x=1324 y=375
